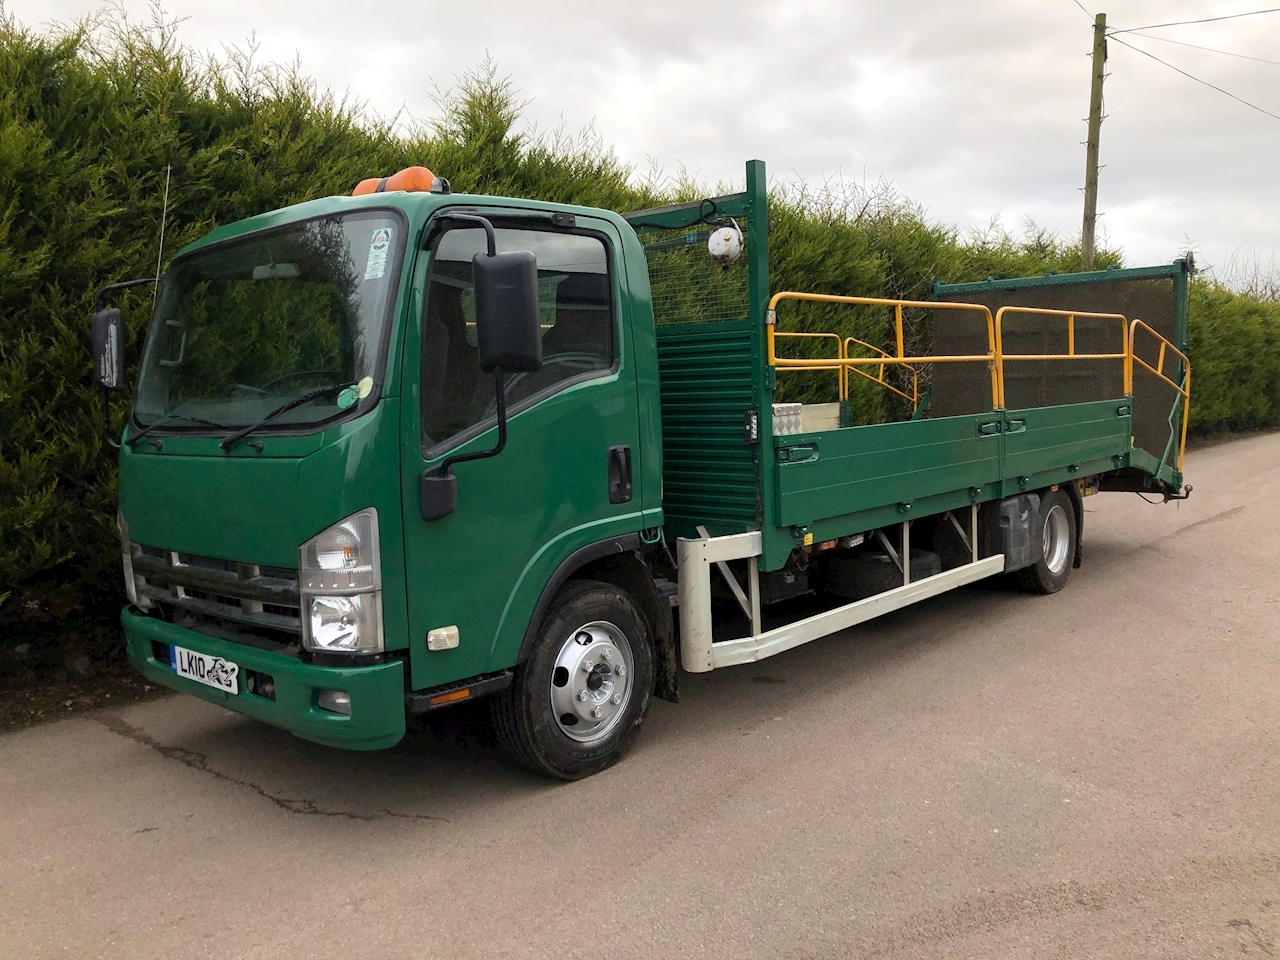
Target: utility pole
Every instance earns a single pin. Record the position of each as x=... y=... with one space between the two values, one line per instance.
x=1091 y=150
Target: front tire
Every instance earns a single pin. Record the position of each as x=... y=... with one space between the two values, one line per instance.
x=577 y=703
x=1058 y=537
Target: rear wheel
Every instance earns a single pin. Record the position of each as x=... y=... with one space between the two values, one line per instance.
x=1058 y=537
x=577 y=703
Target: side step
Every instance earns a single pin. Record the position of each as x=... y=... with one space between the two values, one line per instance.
x=729 y=653
x=698 y=652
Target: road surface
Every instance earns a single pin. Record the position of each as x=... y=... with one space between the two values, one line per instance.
x=1092 y=774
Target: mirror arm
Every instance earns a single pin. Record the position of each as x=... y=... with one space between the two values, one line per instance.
x=103 y=298
x=106 y=420
x=439 y=487
x=443 y=469
x=491 y=239
x=104 y=294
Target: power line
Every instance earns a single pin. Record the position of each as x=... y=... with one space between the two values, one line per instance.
x=1252 y=106
x=1081 y=6
x=1183 y=23
x=1196 y=46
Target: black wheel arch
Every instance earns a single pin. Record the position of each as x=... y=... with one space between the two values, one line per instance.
x=1077 y=501
x=618 y=561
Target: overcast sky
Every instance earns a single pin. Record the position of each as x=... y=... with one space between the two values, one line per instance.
x=975 y=108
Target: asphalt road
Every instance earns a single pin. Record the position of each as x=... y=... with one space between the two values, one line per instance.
x=1092 y=774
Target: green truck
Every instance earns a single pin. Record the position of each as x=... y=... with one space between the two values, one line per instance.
x=397 y=451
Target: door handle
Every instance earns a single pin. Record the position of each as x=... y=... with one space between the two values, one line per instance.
x=1015 y=426
x=991 y=429
x=800 y=454
x=620 y=474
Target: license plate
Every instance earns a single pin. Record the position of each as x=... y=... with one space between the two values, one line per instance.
x=211 y=671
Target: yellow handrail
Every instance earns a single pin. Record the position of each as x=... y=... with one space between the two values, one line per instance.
x=900 y=359
x=996 y=358
x=1184 y=388
x=837 y=364
x=913 y=397
x=1071 y=354
x=816 y=363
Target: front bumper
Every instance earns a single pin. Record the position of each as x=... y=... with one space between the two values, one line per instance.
x=377 y=692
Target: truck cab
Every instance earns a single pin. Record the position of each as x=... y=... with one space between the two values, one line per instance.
x=292 y=563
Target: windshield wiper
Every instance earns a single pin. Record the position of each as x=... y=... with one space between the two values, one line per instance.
x=298 y=401
x=171 y=418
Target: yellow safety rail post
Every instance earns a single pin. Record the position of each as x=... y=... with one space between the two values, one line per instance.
x=1071 y=315
x=900 y=359
x=813 y=363
x=913 y=397
x=1184 y=389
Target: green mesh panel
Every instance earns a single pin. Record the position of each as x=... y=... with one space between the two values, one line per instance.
x=687 y=285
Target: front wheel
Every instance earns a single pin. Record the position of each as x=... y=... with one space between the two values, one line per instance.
x=1058 y=535
x=577 y=702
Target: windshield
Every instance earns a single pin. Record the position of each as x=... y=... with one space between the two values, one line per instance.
x=247 y=326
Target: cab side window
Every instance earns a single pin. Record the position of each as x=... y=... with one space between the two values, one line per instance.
x=576 y=309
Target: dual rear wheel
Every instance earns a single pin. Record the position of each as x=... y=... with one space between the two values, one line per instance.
x=1058 y=539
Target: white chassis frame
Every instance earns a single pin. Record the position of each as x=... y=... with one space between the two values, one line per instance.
x=695 y=557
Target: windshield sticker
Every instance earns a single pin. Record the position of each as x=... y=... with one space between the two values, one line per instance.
x=378 y=248
x=365 y=387
x=347 y=397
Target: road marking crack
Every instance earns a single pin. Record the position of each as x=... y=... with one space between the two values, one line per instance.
x=198 y=761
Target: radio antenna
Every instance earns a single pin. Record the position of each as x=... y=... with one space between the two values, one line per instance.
x=164 y=213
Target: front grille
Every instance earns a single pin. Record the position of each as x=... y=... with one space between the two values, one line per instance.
x=227 y=592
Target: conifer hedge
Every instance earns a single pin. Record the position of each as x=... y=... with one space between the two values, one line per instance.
x=95 y=119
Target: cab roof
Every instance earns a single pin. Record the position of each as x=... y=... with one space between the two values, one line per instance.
x=417 y=206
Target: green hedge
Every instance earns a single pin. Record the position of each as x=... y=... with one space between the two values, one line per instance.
x=1235 y=360
x=91 y=121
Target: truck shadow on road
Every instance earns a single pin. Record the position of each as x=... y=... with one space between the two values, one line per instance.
x=428 y=776
x=453 y=769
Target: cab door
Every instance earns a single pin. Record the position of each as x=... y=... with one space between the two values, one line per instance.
x=569 y=474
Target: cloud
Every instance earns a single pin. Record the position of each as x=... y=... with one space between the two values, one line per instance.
x=973 y=108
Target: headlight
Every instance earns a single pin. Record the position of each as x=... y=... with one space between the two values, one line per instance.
x=340 y=576
x=126 y=555
x=340 y=623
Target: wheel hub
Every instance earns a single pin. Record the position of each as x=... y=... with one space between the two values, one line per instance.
x=591 y=681
x=1057 y=540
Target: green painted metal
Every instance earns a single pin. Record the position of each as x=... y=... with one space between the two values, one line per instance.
x=709 y=378
x=1175 y=431
x=774 y=540
x=1153 y=466
x=1079 y=438
x=637 y=315
x=1152 y=431
x=257 y=508
x=519 y=514
x=858 y=478
x=678 y=216
x=377 y=692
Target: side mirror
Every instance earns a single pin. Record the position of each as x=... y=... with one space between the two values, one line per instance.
x=108 y=349
x=508 y=326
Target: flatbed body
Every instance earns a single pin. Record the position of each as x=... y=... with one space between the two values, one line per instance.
x=831 y=483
